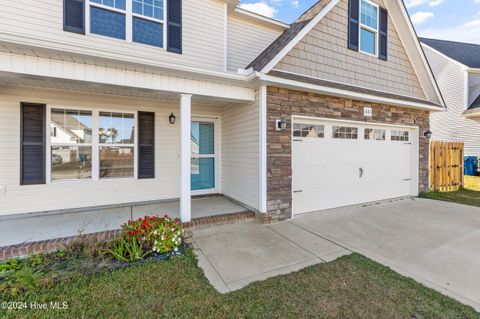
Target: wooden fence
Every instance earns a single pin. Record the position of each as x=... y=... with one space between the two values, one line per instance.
x=446 y=166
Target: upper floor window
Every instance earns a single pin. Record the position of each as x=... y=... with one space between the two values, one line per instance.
x=149 y=8
x=368 y=27
x=140 y=21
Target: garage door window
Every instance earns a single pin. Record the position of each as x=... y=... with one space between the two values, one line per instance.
x=376 y=135
x=344 y=132
x=402 y=136
x=308 y=130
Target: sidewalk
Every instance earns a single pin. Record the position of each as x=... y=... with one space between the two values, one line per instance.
x=233 y=256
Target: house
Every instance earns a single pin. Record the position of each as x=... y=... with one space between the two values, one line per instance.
x=284 y=119
x=456 y=67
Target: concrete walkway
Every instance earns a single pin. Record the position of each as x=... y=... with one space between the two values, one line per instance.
x=232 y=256
x=434 y=242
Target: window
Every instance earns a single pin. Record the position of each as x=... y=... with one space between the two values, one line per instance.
x=71 y=144
x=116 y=136
x=118 y=4
x=368 y=27
x=343 y=132
x=149 y=8
x=109 y=18
x=374 y=134
x=400 y=136
x=308 y=130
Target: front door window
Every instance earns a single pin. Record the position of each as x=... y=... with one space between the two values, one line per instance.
x=203 y=156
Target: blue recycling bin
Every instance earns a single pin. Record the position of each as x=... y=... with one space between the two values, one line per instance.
x=471 y=165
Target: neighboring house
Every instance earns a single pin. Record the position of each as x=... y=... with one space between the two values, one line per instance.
x=456 y=67
x=285 y=119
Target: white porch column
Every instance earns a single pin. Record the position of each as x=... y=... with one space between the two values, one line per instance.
x=185 y=149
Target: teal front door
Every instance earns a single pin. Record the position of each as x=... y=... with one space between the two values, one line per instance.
x=203 y=156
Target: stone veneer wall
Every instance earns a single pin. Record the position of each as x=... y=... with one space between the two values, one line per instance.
x=284 y=102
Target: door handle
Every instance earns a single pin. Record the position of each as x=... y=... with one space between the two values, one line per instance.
x=360 y=172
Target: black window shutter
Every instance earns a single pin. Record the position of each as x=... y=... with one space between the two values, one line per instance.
x=74 y=16
x=174 y=26
x=32 y=153
x=353 y=24
x=146 y=145
x=383 y=41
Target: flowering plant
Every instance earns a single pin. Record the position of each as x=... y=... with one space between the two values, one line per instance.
x=155 y=234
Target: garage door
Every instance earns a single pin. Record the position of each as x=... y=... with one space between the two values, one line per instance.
x=345 y=163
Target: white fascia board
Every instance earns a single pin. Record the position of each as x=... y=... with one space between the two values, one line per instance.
x=300 y=36
x=14 y=65
x=413 y=35
x=254 y=17
x=473 y=70
x=320 y=89
x=472 y=114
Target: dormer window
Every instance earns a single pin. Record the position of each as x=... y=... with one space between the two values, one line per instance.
x=368 y=27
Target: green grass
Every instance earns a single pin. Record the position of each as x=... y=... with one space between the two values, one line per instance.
x=469 y=195
x=351 y=287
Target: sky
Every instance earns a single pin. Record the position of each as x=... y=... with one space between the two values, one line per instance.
x=455 y=20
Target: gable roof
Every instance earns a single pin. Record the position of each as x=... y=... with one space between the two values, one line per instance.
x=262 y=60
x=279 y=48
x=466 y=53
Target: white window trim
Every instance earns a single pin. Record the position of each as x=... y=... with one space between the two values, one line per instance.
x=95 y=145
x=368 y=28
x=128 y=12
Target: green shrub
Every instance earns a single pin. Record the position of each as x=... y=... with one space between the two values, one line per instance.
x=127 y=250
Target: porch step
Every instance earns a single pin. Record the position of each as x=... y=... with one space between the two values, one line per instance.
x=54 y=244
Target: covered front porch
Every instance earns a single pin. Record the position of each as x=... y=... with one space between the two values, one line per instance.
x=204 y=141
x=60 y=224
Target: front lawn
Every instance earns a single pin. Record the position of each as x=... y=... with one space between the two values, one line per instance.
x=351 y=287
x=469 y=195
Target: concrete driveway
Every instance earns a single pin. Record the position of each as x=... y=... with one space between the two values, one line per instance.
x=434 y=242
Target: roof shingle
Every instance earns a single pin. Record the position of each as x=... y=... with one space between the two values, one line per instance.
x=465 y=53
x=346 y=87
x=288 y=35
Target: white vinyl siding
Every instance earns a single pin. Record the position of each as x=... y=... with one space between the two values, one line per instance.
x=246 y=41
x=452 y=125
x=40 y=23
x=240 y=140
x=74 y=194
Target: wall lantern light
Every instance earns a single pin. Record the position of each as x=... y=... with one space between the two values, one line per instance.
x=427 y=134
x=172 y=118
x=281 y=124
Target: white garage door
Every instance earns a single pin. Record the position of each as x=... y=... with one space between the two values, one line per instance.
x=339 y=163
